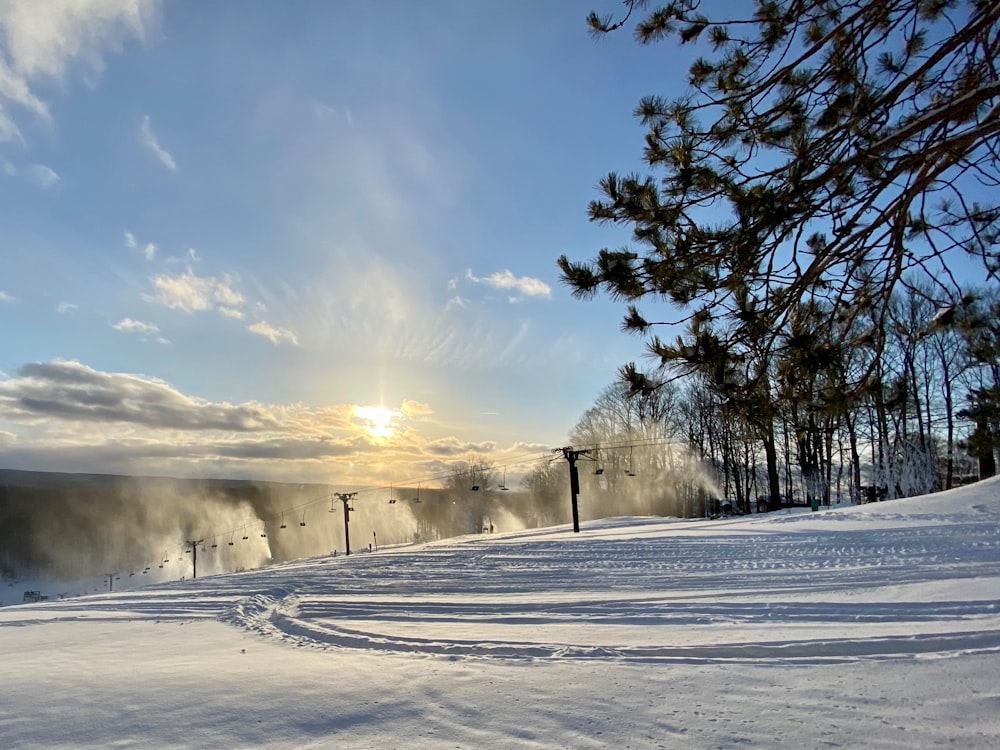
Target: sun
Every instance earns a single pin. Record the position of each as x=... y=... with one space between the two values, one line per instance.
x=378 y=421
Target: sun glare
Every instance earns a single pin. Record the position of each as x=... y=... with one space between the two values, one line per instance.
x=378 y=421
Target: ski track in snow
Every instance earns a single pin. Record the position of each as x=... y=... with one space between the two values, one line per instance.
x=795 y=589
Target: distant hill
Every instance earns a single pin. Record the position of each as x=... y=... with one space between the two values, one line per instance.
x=60 y=480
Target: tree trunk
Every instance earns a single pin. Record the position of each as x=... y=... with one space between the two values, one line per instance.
x=771 y=457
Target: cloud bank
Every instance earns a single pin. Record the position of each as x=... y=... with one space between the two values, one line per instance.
x=66 y=416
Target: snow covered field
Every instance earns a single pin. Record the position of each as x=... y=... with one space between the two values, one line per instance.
x=864 y=627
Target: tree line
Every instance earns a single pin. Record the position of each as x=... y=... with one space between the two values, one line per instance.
x=919 y=424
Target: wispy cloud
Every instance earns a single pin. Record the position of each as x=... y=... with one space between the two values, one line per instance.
x=146 y=331
x=231 y=312
x=148 y=139
x=148 y=250
x=41 y=41
x=38 y=175
x=326 y=112
x=506 y=280
x=191 y=256
x=416 y=408
x=274 y=334
x=192 y=293
x=65 y=307
x=4 y=297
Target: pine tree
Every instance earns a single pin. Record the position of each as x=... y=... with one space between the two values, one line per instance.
x=827 y=152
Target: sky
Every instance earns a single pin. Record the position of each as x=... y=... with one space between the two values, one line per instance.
x=872 y=626
x=310 y=241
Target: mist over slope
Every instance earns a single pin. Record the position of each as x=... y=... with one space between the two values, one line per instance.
x=66 y=527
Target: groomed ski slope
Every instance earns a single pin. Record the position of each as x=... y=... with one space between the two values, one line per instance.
x=855 y=627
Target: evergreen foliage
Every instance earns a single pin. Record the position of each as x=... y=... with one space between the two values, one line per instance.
x=827 y=152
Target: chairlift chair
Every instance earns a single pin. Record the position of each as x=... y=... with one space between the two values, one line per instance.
x=628 y=466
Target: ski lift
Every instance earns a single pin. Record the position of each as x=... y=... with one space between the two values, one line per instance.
x=600 y=469
x=245 y=535
x=302 y=521
x=475 y=488
x=231 y=534
x=214 y=545
x=628 y=467
x=417 y=498
x=283 y=525
x=503 y=484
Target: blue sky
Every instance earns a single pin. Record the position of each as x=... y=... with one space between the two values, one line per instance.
x=231 y=228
